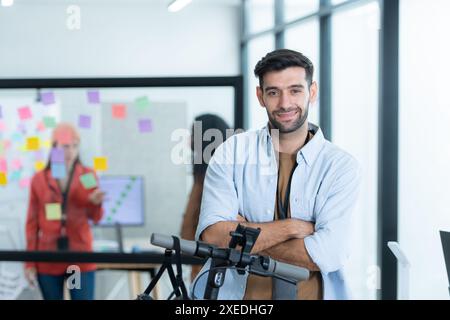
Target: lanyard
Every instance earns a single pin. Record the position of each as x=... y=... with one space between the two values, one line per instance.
x=284 y=207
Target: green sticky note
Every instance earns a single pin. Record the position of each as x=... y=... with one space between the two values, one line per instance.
x=88 y=181
x=113 y=210
x=53 y=211
x=49 y=122
x=142 y=103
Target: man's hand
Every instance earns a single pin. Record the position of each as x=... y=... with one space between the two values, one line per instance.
x=96 y=197
x=301 y=229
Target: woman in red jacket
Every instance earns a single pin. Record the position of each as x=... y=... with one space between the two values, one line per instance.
x=59 y=211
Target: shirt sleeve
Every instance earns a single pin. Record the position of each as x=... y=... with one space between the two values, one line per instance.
x=329 y=245
x=32 y=224
x=219 y=200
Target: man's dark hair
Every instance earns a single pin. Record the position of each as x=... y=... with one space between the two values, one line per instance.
x=282 y=59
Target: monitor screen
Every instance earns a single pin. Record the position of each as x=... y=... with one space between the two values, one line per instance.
x=124 y=200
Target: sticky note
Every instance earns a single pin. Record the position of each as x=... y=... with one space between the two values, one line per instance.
x=145 y=125
x=22 y=128
x=7 y=144
x=39 y=165
x=15 y=175
x=84 y=121
x=47 y=144
x=33 y=144
x=57 y=155
x=24 y=113
x=53 y=211
x=24 y=183
x=101 y=163
x=40 y=126
x=3 y=179
x=58 y=170
x=39 y=155
x=16 y=164
x=119 y=111
x=142 y=103
x=2 y=126
x=49 y=122
x=23 y=147
x=88 y=181
x=93 y=96
x=16 y=137
x=3 y=165
x=47 y=98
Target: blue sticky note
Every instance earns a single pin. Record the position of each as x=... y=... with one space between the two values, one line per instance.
x=17 y=137
x=15 y=176
x=58 y=170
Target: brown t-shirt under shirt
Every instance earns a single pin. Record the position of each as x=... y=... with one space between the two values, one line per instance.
x=260 y=288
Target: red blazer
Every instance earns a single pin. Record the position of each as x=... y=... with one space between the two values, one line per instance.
x=42 y=234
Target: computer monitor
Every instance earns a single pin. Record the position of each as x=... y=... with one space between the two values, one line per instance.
x=445 y=238
x=124 y=200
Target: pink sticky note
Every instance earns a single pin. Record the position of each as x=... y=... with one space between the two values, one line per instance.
x=2 y=126
x=40 y=126
x=24 y=113
x=7 y=144
x=24 y=183
x=119 y=111
x=16 y=164
x=3 y=165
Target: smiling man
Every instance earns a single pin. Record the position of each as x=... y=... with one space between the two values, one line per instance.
x=290 y=182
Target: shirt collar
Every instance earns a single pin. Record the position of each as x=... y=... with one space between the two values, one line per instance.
x=310 y=151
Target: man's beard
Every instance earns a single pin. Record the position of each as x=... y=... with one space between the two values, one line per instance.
x=294 y=126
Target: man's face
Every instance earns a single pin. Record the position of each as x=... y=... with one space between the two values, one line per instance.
x=286 y=96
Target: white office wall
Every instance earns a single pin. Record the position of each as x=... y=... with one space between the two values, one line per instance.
x=119 y=39
x=424 y=153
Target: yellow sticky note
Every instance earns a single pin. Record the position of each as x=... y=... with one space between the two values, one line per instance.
x=47 y=144
x=101 y=163
x=53 y=211
x=32 y=143
x=3 y=179
x=39 y=165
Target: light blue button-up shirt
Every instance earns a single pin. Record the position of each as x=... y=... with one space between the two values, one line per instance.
x=242 y=179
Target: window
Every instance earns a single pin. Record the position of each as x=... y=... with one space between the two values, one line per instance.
x=257 y=49
x=294 y=9
x=424 y=155
x=305 y=39
x=261 y=15
x=355 y=129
